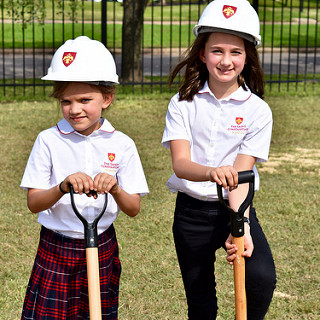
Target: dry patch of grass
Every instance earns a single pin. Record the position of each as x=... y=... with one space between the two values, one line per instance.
x=299 y=159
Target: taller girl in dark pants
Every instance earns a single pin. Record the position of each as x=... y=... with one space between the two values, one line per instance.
x=218 y=125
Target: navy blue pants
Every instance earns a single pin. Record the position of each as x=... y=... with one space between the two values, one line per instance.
x=200 y=228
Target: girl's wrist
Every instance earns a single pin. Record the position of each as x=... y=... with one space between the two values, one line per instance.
x=247 y=228
x=61 y=189
x=115 y=190
x=209 y=173
x=246 y=220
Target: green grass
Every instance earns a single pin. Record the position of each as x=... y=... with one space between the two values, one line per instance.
x=161 y=33
x=156 y=36
x=151 y=287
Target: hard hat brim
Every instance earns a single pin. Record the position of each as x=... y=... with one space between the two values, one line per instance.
x=50 y=77
x=203 y=29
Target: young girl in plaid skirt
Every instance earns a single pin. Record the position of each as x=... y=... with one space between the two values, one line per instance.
x=83 y=150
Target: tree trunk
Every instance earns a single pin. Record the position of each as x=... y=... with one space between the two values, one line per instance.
x=132 y=24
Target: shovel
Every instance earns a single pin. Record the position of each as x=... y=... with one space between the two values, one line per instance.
x=91 y=244
x=237 y=233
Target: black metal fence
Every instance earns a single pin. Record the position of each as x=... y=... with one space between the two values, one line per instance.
x=31 y=31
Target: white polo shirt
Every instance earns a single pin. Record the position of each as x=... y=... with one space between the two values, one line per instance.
x=218 y=130
x=61 y=151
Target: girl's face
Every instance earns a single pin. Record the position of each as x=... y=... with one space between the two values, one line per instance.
x=225 y=56
x=82 y=106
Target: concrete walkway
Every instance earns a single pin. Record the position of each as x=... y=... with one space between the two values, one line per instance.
x=157 y=62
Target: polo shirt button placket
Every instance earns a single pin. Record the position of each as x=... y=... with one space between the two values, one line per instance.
x=212 y=142
x=204 y=186
x=89 y=169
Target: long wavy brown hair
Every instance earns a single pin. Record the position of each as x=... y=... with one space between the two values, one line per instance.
x=196 y=72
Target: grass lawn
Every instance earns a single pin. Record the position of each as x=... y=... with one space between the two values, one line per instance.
x=155 y=36
x=151 y=287
x=282 y=24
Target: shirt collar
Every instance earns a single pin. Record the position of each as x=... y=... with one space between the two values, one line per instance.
x=239 y=95
x=205 y=89
x=65 y=127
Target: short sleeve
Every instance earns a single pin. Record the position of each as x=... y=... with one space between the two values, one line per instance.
x=176 y=127
x=258 y=139
x=131 y=177
x=38 y=169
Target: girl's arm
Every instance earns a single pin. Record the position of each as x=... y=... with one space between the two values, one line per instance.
x=128 y=203
x=236 y=197
x=39 y=199
x=184 y=168
x=242 y=163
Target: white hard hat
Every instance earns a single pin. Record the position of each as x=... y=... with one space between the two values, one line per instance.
x=82 y=60
x=236 y=17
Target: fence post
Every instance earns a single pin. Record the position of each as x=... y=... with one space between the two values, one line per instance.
x=301 y=5
x=104 y=22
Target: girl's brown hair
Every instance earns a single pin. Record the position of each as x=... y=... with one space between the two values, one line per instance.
x=60 y=86
x=196 y=72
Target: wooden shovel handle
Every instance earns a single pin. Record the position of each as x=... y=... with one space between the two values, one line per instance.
x=239 y=280
x=93 y=283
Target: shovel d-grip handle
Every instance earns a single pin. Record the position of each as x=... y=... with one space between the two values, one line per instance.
x=236 y=218
x=90 y=228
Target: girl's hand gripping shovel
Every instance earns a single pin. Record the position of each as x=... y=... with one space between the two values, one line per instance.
x=237 y=232
x=91 y=244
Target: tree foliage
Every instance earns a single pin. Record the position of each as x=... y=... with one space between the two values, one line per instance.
x=27 y=11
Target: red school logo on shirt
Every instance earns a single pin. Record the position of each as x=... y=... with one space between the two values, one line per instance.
x=68 y=58
x=111 y=156
x=239 y=120
x=239 y=127
x=228 y=11
x=109 y=165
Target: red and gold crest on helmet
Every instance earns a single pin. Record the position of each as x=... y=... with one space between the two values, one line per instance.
x=68 y=58
x=239 y=120
x=228 y=11
x=111 y=156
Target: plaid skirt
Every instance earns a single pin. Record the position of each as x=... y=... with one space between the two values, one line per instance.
x=58 y=287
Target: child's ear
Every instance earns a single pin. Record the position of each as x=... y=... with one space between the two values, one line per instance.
x=108 y=98
x=201 y=56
